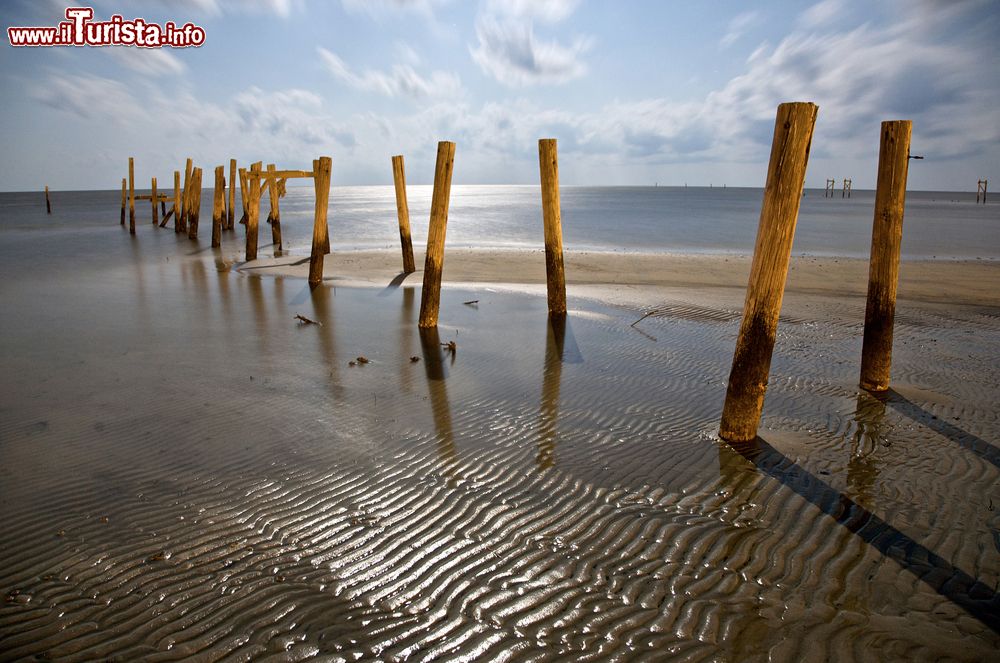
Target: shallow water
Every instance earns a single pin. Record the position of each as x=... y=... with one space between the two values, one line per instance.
x=186 y=471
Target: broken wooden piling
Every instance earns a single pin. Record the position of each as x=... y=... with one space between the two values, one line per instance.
x=124 y=187
x=430 y=295
x=883 y=270
x=253 y=210
x=403 y=213
x=177 y=200
x=555 y=273
x=153 y=199
x=48 y=205
x=194 y=199
x=218 y=206
x=274 y=216
x=232 y=194
x=186 y=196
x=131 y=195
x=786 y=172
x=321 y=233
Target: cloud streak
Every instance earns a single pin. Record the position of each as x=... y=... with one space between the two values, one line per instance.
x=401 y=81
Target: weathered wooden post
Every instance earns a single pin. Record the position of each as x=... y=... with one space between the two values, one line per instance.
x=786 y=172
x=883 y=270
x=177 y=200
x=430 y=295
x=403 y=212
x=244 y=195
x=253 y=210
x=218 y=206
x=555 y=273
x=186 y=206
x=195 y=203
x=232 y=194
x=321 y=233
x=153 y=201
x=274 y=216
x=48 y=205
x=131 y=195
x=124 y=187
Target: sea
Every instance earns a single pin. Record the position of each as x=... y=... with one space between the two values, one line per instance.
x=711 y=220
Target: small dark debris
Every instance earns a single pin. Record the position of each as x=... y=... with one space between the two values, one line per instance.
x=103 y=519
x=352 y=363
x=279 y=578
x=414 y=360
x=825 y=472
x=157 y=557
x=61 y=532
x=363 y=360
x=473 y=302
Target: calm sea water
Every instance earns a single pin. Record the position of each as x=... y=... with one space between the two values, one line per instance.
x=941 y=225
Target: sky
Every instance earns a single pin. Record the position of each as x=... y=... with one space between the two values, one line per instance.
x=636 y=92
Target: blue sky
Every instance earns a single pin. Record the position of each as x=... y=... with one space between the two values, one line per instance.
x=637 y=92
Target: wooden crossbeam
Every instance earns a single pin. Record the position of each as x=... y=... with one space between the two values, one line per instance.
x=285 y=174
x=159 y=197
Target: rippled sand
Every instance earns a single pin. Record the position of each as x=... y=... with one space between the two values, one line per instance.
x=187 y=472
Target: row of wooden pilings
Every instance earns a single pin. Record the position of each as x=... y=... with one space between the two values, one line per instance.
x=772 y=251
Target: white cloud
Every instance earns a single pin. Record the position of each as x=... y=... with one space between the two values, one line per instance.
x=402 y=80
x=550 y=11
x=509 y=51
x=738 y=26
x=149 y=62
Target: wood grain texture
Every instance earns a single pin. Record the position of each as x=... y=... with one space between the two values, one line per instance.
x=321 y=238
x=555 y=271
x=403 y=213
x=430 y=295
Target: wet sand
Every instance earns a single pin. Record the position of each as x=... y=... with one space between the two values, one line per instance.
x=187 y=471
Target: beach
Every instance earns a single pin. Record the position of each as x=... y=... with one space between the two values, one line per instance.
x=188 y=471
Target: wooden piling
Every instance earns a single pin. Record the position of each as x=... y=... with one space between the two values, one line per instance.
x=232 y=194
x=274 y=217
x=48 y=205
x=218 y=206
x=430 y=295
x=555 y=273
x=177 y=200
x=981 y=190
x=403 y=213
x=883 y=270
x=124 y=187
x=321 y=233
x=194 y=199
x=153 y=199
x=131 y=195
x=244 y=195
x=253 y=210
x=186 y=206
x=786 y=172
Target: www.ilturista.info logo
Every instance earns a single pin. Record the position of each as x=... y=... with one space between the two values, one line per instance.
x=80 y=30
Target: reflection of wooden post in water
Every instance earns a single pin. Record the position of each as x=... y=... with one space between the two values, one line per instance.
x=131 y=195
x=177 y=200
x=786 y=173
x=430 y=347
x=124 y=187
x=551 y=379
x=195 y=199
x=274 y=216
x=153 y=200
x=232 y=194
x=430 y=294
x=218 y=205
x=186 y=202
x=869 y=417
x=883 y=271
x=321 y=233
x=253 y=210
x=555 y=274
x=403 y=213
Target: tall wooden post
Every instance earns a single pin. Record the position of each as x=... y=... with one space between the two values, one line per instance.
x=177 y=200
x=153 y=201
x=244 y=196
x=218 y=206
x=253 y=210
x=321 y=233
x=275 y=214
x=430 y=295
x=131 y=195
x=555 y=273
x=124 y=187
x=186 y=207
x=786 y=173
x=232 y=194
x=883 y=270
x=194 y=199
x=981 y=191
x=48 y=205
x=403 y=213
